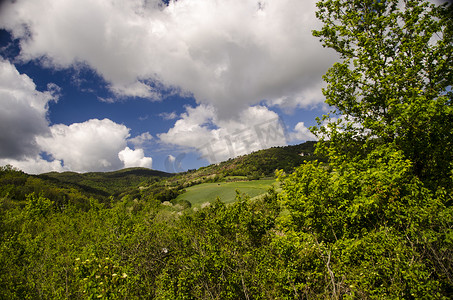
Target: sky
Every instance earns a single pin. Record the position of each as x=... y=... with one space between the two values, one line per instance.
x=101 y=85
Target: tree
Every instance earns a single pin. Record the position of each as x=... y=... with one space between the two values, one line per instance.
x=393 y=84
x=376 y=232
x=379 y=213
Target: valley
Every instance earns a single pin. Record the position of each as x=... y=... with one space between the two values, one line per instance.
x=201 y=194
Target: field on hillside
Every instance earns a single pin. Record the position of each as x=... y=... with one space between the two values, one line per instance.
x=208 y=192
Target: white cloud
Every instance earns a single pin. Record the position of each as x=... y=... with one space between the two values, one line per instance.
x=168 y=116
x=190 y=130
x=93 y=145
x=23 y=113
x=89 y=146
x=217 y=139
x=171 y=159
x=141 y=139
x=230 y=54
x=135 y=158
x=34 y=165
x=302 y=133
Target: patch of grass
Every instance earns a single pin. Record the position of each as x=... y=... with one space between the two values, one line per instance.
x=208 y=192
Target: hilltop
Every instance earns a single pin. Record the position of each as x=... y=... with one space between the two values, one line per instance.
x=143 y=183
x=258 y=164
x=108 y=182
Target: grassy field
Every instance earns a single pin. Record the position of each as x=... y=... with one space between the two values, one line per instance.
x=208 y=192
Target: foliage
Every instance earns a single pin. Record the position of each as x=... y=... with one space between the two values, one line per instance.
x=377 y=216
x=378 y=225
x=222 y=253
x=393 y=85
x=37 y=206
x=367 y=229
x=135 y=250
x=107 y=183
x=100 y=278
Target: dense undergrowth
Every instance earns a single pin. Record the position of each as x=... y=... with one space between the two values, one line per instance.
x=360 y=230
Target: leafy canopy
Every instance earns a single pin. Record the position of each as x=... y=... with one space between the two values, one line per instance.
x=379 y=213
x=393 y=83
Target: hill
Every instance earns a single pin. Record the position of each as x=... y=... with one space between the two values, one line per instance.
x=109 y=182
x=263 y=163
x=258 y=164
x=142 y=183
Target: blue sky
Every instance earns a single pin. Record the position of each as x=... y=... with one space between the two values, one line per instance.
x=99 y=85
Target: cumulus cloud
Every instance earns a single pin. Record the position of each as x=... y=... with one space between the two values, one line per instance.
x=23 y=113
x=135 y=158
x=25 y=133
x=34 y=165
x=94 y=145
x=230 y=54
x=217 y=139
x=174 y=164
x=191 y=130
x=302 y=133
x=141 y=139
x=89 y=146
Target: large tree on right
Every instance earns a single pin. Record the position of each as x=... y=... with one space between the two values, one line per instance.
x=378 y=217
x=393 y=83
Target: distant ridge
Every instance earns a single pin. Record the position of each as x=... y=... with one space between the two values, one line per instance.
x=261 y=163
x=143 y=183
x=258 y=164
x=108 y=182
x=138 y=171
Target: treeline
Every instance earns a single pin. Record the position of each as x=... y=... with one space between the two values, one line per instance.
x=264 y=163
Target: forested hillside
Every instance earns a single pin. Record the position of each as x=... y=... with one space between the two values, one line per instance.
x=110 y=181
x=372 y=219
x=263 y=163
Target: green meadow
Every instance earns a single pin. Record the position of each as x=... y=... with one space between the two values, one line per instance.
x=226 y=191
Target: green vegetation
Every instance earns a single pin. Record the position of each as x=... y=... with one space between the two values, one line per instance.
x=393 y=85
x=380 y=212
x=372 y=219
x=259 y=164
x=109 y=182
x=226 y=191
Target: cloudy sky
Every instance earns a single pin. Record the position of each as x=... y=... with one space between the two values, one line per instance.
x=98 y=85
